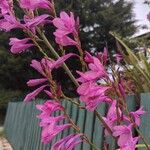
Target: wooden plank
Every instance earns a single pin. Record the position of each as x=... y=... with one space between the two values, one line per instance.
x=98 y=128
x=88 y=128
x=80 y=123
x=145 y=119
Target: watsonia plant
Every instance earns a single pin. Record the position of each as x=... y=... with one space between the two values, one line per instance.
x=96 y=83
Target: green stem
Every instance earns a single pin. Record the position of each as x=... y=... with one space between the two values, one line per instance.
x=76 y=128
x=57 y=56
x=103 y=122
x=96 y=113
x=93 y=145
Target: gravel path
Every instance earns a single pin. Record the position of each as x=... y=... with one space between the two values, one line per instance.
x=4 y=145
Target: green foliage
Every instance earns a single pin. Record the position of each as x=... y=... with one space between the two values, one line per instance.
x=137 y=66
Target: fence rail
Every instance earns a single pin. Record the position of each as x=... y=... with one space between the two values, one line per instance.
x=23 y=132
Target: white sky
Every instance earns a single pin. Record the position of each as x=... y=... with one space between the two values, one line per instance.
x=141 y=10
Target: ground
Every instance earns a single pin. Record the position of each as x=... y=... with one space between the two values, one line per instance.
x=4 y=145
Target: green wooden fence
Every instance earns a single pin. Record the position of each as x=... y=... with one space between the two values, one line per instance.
x=23 y=132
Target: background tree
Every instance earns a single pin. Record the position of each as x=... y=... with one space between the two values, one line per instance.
x=97 y=18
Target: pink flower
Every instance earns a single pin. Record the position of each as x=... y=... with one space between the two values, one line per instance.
x=33 y=94
x=4 y=7
x=48 y=65
x=62 y=39
x=37 y=66
x=65 y=25
x=92 y=94
x=34 y=82
x=49 y=123
x=103 y=57
x=88 y=57
x=18 y=46
x=48 y=108
x=68 y=143
x=34 y=4
x=9 y=22
x=124 y=133
x=111 y=117
x=50 y=131
x=131 y=145
x=96 y=71
x=34 y=22
x=137 y=115
x=47 y=120
x=48 y=93
x=44 y=66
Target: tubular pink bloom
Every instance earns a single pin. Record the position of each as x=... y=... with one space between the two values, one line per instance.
x=124 y=133
x=34 y=4
x=92 y=94
x=9 y=22
x=49 y=124
x=4 y=7
x=62 y=59
x=37 y=66
x=131 y=145
x=32 y=23
x=48 y=93
x=34 y=82
x=65 y=25
x=68 y=143
x=47 y=120
x=62 y=38
x=96 y=71
x=18 y=46
x=50 y=131
x=51 y=64
x=33 y=94
x=49 y=107
x=112 y=116
x=48 y=65
x=88 y=57
x=103 y=56
x=137 y=115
